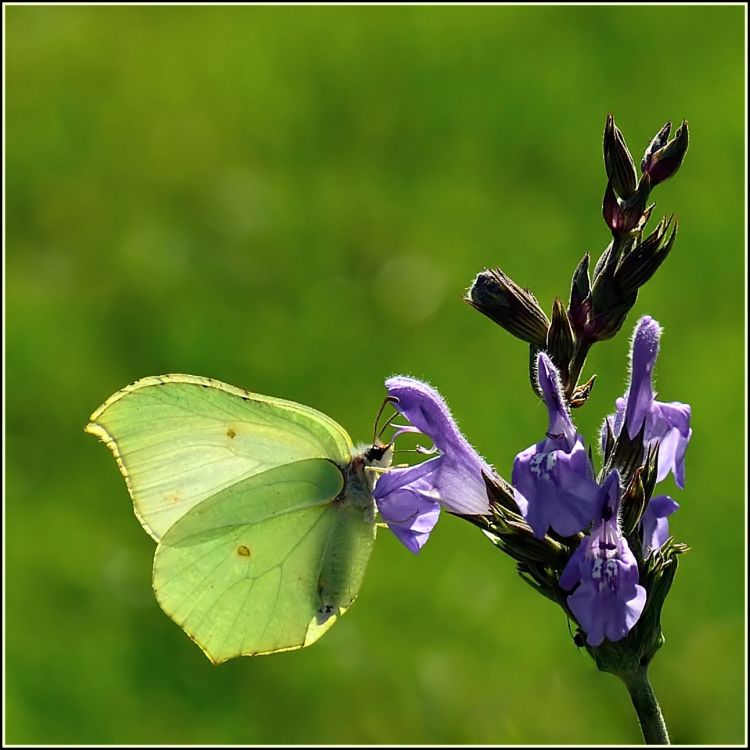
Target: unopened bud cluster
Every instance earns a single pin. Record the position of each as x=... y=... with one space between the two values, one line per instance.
x=600 y=300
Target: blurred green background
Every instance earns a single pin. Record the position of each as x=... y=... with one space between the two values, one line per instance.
x=293 y=200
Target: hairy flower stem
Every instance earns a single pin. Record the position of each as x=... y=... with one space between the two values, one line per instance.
x=646 y=707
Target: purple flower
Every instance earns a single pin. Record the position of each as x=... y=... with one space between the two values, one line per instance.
x=553 y=479
x=655 y=524
x=667 y=423
x=608 y=600
x=409 y=499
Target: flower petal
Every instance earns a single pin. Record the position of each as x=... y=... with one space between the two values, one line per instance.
x=425 y=408
x=572 y=571
x=667 y=423
x=608 y=600
x=396 y=478
x=670 y=424
x=655 y=523
x=643 y=353
x=558 y=487
x=587 y=609
x=560 y=422
x=454 y=478
x=410 y=516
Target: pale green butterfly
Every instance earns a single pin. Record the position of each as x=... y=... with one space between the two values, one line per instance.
x=261 y=509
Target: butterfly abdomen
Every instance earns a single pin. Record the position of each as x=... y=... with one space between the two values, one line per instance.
x=350 y=543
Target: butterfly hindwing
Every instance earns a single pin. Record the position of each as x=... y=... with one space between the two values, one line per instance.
x=240 y=572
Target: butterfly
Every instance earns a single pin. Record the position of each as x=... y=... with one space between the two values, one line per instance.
x=261 y=508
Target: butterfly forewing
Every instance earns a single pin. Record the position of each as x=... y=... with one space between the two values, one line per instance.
x=179 y=439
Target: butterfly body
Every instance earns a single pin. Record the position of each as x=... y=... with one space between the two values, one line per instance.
x=261 y=508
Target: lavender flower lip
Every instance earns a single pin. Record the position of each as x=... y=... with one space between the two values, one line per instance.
x=409 y=499
x=608 y=600
x=655 y=523
x=554 y=479
x=669 y=423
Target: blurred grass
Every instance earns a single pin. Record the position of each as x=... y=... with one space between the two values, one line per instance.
x=292 y=200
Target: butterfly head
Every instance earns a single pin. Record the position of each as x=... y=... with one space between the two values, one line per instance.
x=379 y=454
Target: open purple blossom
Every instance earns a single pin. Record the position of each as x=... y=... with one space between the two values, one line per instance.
x=667 y=423
x=553 y=479
x=409 y=499
x=608 y=600
x=655 y=523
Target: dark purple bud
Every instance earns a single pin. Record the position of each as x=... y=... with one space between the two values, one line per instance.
x=607 y=440
x=613 y=217
x=608 y=259
x=606 y=324
x=651 y=468
x=618 y=162
x=640 y=264
x=609 y=306
x=634 y=503
x=561 y=341
x=663 y=162
x=645 y=218
x=498 y=297
x=627 y=454
x=625 y=216
x=501 y=494
x=657 y=142
x=579 y=308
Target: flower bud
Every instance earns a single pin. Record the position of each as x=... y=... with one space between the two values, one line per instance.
x=640 y=264
x=626 y=456
x=507 y=530
x=663 y=158
x=561 y=341
x=634 y=503
x=657 y=142
x=609 y=306
x=624 y=216
x=498 y=297
x=608 y=440
x=650 y=469
x=618 y=162
x=579 y=309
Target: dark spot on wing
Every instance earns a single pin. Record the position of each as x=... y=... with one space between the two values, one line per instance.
x=230 y=432
x=243 y=551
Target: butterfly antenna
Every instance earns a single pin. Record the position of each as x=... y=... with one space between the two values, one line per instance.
x=388 y=423
x=375 y=433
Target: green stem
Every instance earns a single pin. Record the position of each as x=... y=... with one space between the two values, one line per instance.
x=647 y=708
